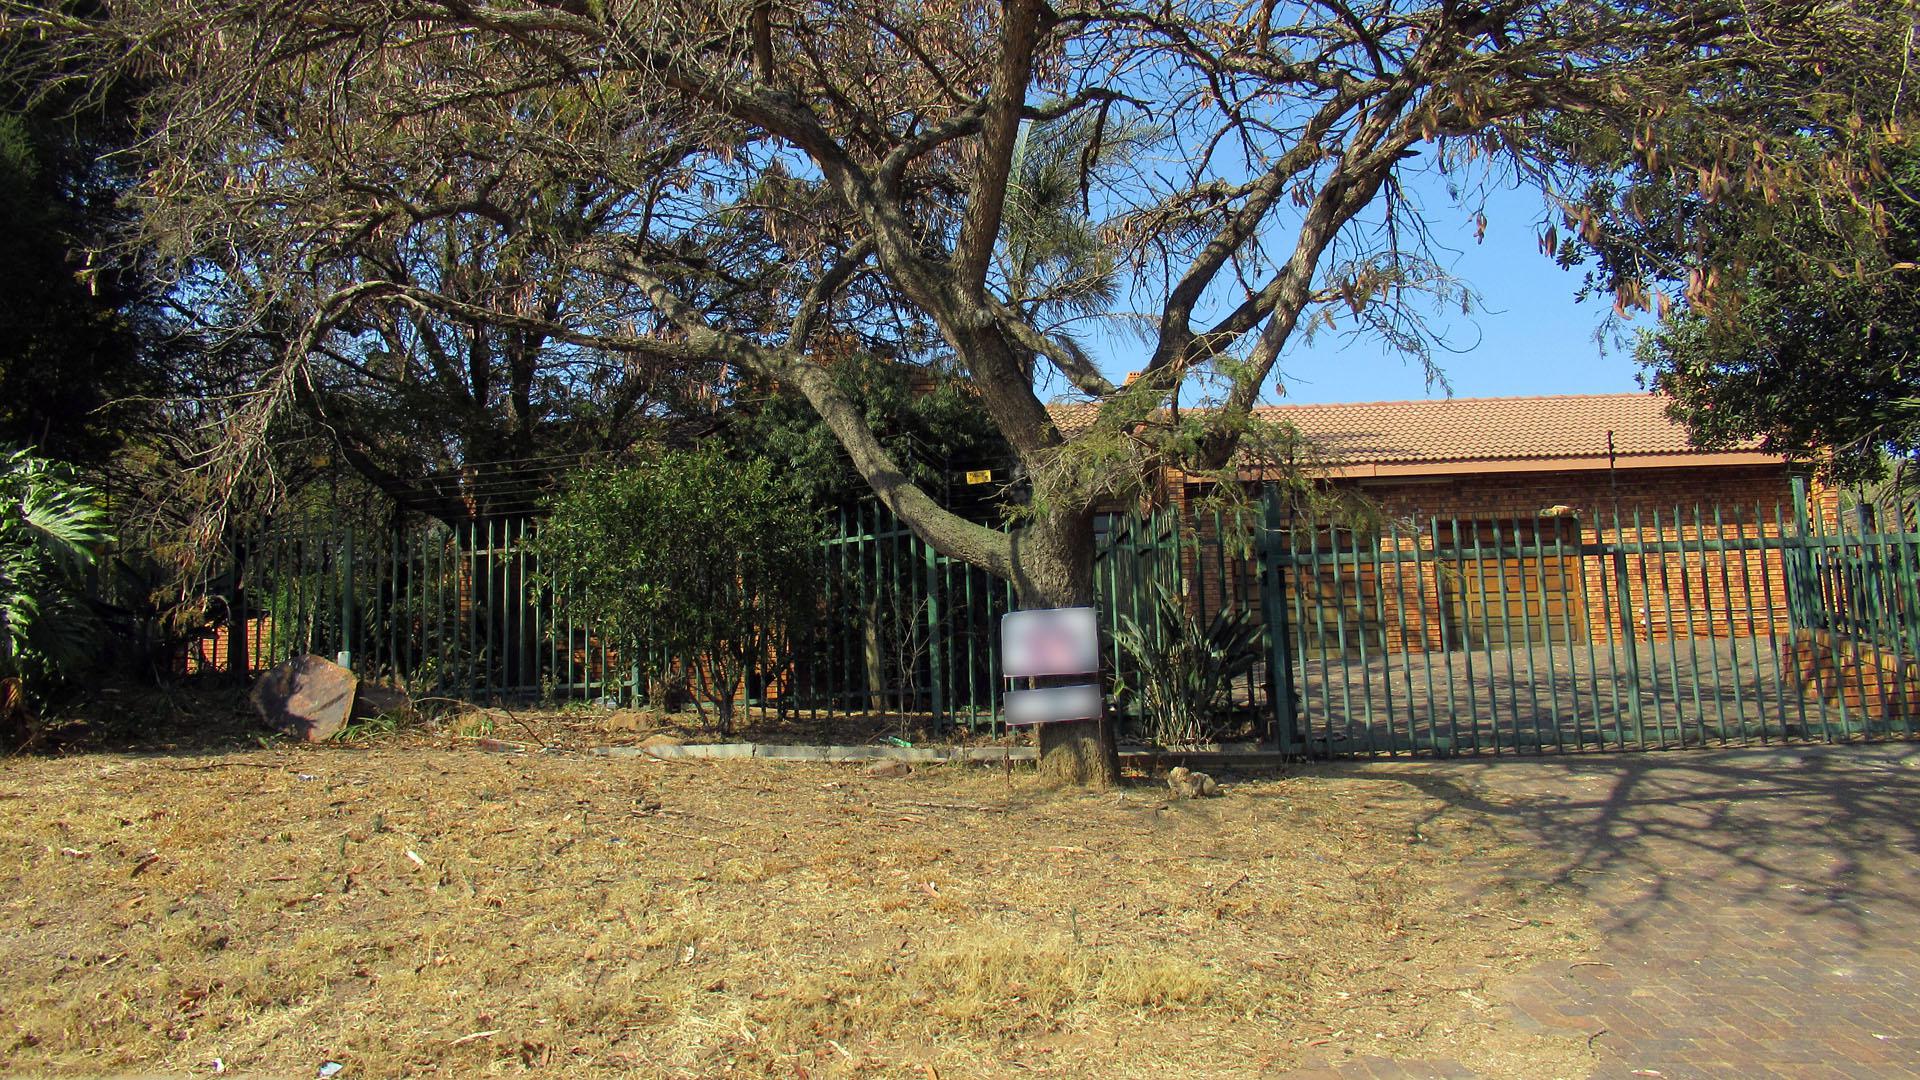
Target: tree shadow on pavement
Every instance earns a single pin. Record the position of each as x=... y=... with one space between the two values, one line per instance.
x=1817 y=830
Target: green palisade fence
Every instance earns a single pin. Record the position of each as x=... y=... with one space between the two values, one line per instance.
x=1678 y=626
x=462 y=612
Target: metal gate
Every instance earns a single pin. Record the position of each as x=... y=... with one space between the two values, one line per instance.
x=1684 y=626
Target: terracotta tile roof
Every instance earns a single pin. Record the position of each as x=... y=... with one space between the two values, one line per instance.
x=1472 y=429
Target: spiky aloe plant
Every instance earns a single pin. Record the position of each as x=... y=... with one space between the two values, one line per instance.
x=1184 y=670
x=50 y=526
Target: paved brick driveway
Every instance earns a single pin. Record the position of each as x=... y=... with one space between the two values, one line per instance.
x=1761 y=908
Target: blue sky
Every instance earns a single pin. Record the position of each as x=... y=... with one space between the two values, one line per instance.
x=1528 y=335
x=1530 y=338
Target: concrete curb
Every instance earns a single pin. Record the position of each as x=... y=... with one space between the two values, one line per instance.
x=774 y=752
x=1145 y=760
x=1206 y=760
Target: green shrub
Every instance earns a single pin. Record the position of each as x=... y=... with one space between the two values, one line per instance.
x=695 y=556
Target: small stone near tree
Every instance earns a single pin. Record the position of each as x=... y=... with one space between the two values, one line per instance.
x=1187 y=784
x=628 y=720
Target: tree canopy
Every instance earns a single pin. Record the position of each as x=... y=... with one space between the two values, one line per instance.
x=1786 y=298
x=1787 y=320
x=1819 y=366
x=933 y=427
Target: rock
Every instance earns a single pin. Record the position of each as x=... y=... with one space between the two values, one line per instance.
x=308 y=697
x=889 y=769
x=652 y=741
x=379 y=699
x=1187 y=784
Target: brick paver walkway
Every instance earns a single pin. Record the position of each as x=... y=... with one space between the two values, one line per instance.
x=1760 y=908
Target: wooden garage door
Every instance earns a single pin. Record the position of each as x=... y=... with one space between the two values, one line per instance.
x=1520 y=584
x=1334 y=607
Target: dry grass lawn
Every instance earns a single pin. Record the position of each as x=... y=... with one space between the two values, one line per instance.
x=428 y=908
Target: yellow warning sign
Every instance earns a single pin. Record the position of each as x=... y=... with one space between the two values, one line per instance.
x=979 y=476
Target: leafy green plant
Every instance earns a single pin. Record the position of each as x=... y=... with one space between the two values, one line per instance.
x=50 y=526
x=1184 y=670
x=931 y=429
x=696 y=558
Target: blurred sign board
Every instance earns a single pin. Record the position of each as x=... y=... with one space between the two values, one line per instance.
x=1047 y=642
x=1053 y=703
x=979 y=476
x=1050 y=641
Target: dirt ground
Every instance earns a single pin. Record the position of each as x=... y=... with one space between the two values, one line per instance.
x=577 y=727
x=413 y=905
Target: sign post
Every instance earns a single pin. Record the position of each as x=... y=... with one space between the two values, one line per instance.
x=1045 y=644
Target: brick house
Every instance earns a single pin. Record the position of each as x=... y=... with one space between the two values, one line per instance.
x=1486 y=458
x=1460 y=482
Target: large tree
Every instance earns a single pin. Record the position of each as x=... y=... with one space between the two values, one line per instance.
x=77 y=313
x=1818 y=363
x=1788 y=311
x=796 y=179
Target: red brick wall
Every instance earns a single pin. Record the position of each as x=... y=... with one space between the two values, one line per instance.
x=1589 y=492
x=209 y=653
x=1674 y=594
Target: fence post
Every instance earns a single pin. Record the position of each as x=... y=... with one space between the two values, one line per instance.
x=1803 y=587
x=1273 y=585
x=1621 y=586
x=934 y=667
x=345 y=659
x=239 y=657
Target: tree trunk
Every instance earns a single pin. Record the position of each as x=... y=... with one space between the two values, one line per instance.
x=1053 y=567
x=871 y=650
x=239 y=663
